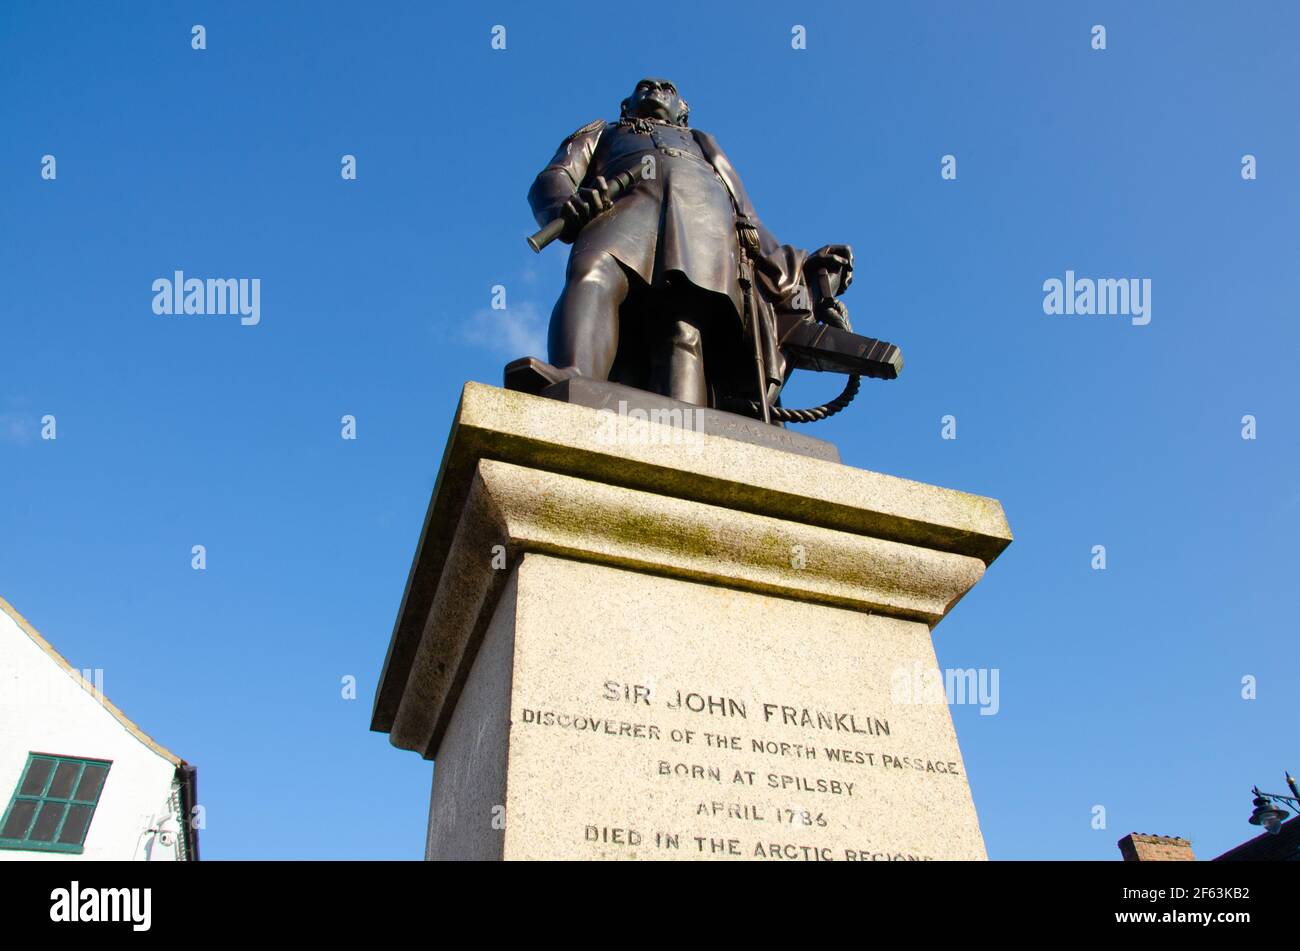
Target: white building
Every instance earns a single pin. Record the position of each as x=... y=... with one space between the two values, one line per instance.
x=78 y=780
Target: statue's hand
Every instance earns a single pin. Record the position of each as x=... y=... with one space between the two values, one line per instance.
x=582 y=206
x=835 y=258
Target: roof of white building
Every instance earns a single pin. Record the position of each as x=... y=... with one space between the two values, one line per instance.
x=88 y=686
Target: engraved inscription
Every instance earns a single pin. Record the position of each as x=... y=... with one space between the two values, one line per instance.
x=813 y=778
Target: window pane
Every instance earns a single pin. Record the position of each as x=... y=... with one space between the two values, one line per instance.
x=64 y=777
x=20 y=817
x=92 y=781
x=37 y=773
x=74 y=828
x=47 y=821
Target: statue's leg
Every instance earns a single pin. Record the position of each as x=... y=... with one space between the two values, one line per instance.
x=686 y=380
x=584 y=323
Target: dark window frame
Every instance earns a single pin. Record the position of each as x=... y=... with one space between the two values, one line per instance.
x=43 y=796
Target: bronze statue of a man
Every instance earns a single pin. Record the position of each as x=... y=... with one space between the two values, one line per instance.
x=675 y=286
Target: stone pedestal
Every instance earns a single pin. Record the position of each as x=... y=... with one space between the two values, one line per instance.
x=627 y=639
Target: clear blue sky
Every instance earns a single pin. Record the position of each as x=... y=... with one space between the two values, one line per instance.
x=1119 y=688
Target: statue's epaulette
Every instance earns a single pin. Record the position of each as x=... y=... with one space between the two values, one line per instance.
x=591 y=126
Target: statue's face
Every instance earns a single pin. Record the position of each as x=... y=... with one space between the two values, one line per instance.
x=655 y=99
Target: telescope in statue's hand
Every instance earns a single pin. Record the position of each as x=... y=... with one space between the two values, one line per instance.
x=616 y=186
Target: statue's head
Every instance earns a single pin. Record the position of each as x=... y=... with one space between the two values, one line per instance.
x=656 y=99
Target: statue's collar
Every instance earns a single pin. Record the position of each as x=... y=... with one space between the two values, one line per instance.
x=642 y=125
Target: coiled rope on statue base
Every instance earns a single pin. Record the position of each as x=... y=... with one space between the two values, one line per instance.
x=830 y=311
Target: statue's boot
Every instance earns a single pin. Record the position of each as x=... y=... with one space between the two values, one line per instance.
x=810 y=345
x=530 y=375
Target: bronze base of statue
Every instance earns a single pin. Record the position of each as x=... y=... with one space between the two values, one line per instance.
x=681 y=419
x=531 y=375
